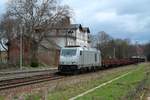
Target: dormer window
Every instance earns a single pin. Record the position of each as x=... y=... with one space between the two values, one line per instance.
x=70 y=31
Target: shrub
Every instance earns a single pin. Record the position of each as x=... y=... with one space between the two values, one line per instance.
x=148 y=57
x=34 y=64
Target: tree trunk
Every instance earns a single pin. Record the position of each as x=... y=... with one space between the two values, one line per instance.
x=0 y=56
x=34 y=52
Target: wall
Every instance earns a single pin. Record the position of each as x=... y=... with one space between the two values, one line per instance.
x=48 y=56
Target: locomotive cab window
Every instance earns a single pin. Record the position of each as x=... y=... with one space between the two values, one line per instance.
x=68 y=52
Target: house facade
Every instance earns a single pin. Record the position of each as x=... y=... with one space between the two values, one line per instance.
x=61 y=35
x=71 y=35
x=48 y=52
x=3 y=57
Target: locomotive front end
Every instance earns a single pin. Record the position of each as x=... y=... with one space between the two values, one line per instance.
x=68 y=60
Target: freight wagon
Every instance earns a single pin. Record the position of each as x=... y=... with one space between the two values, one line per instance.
x=77 y=59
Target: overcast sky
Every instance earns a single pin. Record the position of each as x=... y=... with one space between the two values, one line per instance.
x=118 y=18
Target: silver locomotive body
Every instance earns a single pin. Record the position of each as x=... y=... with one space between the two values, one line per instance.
x=79 y=58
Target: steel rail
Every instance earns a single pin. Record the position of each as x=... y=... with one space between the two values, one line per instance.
x=7 y=84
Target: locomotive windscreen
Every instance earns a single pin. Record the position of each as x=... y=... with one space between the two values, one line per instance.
x=68 y=52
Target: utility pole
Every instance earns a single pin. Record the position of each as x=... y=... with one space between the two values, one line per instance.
x=137 y=54
x=114 y=53
x=21 y=54
x=66 y=39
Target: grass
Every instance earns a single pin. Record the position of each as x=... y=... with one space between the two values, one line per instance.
x=111 y=92
x=117 y=89
x=33 y=97
x=145 y=91
x=2 y=98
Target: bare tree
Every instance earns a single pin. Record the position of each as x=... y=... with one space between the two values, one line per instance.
x=147 y=50
x=113 y=48
x=7 y=27
x=102 y=43
x=37 y=18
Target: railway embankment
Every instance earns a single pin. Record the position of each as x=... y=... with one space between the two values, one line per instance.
x=125 y=87
x=142 y=90
x=116 y=83
x=111 y=87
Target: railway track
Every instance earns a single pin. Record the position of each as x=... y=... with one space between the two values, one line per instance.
x=26 y=72
x=16 y=82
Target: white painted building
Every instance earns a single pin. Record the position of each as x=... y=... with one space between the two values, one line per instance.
x=72 y=35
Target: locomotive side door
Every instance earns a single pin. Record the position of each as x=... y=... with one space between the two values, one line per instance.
x=81 y=60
